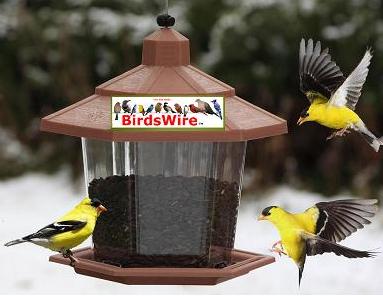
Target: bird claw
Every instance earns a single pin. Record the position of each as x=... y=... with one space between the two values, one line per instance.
x=277 y=250
x=276 y=244
x=69 y=254
x=340 y=133
x=330 y=136
x=343 y=132
x=73 y=260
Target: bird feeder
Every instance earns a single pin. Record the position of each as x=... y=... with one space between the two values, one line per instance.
x=172 y=195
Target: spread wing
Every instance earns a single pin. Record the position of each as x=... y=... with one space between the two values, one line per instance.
x=55 y=228
x=316 y=245
x=339 y=219
x=317 y=72
x=349 y=92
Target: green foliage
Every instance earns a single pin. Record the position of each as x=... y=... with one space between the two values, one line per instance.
x=53 y=53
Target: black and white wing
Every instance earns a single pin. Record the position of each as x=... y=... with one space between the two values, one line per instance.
x=339 y=219
x=316 y=245
x=55 y=228
x=317 y=72
x=349 y=92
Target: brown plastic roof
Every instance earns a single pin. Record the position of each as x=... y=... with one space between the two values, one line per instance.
x=166 y=70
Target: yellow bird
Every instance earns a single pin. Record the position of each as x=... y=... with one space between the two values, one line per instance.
x=332 y=96
x=318 y=229
x=68 y=231
x=141 y=109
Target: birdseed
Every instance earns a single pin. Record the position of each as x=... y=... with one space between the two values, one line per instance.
x=157 y=221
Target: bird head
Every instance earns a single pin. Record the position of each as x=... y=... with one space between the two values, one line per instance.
x=269 y=213
x=306 y=115
x=95 y=203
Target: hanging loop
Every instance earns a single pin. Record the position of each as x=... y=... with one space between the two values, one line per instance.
x=165 y=20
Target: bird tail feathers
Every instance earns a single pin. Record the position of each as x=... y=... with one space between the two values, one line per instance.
x=15 y=242
x=301 y=267
x=370 y=138
x=374 y=142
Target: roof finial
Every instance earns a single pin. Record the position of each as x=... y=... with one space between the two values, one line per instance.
x=165 y=20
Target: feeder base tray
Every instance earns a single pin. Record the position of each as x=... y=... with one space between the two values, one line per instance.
x=243 y=262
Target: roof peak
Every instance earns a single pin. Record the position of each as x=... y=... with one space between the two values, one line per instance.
x=166 y=47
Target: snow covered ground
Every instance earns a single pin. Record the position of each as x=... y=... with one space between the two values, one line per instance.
x=25 y=268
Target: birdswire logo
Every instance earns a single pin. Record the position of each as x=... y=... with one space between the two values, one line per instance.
x=164 y=120
x=167 y=112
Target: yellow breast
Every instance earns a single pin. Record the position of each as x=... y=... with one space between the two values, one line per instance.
x=290 y=230
x=69 y=240
x=335 y=117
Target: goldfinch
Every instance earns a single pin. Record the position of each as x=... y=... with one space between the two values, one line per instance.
x=68 y=231
x=332 y=96
x=318 y=229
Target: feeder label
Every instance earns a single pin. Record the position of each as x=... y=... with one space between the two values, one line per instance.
x=168 y=112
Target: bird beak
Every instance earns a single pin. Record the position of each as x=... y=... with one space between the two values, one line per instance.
x=301 y=120
x=261 y=217
x=100 y=209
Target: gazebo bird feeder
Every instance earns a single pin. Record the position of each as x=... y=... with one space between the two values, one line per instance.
x=172 y=194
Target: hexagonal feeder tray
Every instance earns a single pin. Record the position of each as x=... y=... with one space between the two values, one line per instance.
x=242 y=263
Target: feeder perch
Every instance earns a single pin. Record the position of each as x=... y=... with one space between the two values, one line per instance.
x=172 y=196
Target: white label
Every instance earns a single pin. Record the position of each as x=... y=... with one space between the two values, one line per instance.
x=168 y=112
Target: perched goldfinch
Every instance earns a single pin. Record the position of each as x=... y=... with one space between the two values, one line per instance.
x=318 y=229
x=333 y=97
x=69 y=231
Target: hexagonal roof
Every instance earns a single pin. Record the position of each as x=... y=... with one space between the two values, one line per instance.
x=165 y=70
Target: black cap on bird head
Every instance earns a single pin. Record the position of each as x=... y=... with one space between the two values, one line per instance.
x=305 y=112
x=266 y=211
x=96 y=203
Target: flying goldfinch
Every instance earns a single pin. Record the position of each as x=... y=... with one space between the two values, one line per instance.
x=332 y=96
x=69 y=231
x=318 y=229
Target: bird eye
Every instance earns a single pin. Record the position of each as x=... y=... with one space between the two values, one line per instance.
x=304 y=113
x=266 y=211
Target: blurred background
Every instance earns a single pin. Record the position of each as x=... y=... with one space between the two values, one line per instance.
x=54 y=53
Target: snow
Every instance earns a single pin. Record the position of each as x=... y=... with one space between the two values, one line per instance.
x=337 y=32
x=34 y=200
